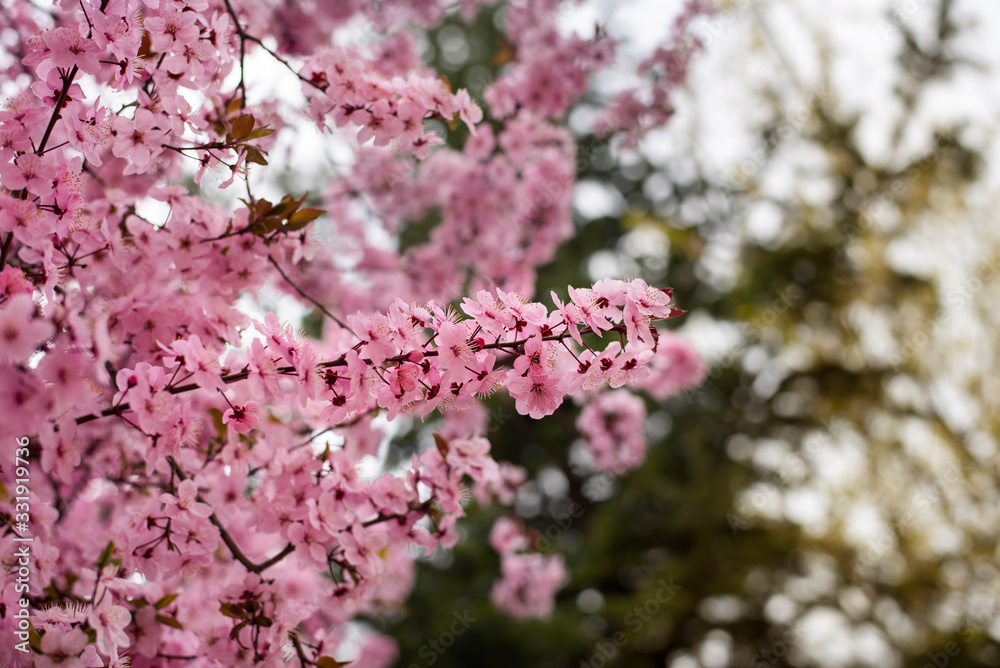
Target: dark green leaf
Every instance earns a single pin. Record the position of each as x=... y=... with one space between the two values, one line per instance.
x=169 y=621
x=105 y=557
x=165 y=601
x=230 y=610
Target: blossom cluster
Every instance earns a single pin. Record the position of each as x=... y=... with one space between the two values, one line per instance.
x=613 y=426
x=200 y=495
x=636 y=111
x=411 y=359
x=529 y=580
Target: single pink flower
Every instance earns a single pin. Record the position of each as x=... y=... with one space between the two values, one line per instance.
x=109 y=621
x=139 y=139
x=185 y=501
x=242 y=418
x=20 y=332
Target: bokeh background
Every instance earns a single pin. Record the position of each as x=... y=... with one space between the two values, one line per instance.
x=824 y=203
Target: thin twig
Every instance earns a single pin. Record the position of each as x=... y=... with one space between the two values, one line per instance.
x=244 y=35
x=227 y=539
x=304 y=295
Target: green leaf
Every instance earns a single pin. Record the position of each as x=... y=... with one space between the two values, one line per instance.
x=255 y=156
x=169 y=621
x=235 y=633
x=165 y=601
x=105 y=557
x=232 y=611
x=242 y=126
x=220 y=428
x=312 y=323
x=303 y=217
x=258 y=133
x=264 y=622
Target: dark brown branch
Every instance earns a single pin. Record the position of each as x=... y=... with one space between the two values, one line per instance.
x=228 y=540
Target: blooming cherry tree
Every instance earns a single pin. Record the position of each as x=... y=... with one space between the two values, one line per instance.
x=195 y=494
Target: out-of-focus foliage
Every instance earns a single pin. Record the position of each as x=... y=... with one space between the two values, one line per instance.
x=824 y=203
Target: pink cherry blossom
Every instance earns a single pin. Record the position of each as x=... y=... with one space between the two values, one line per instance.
x=109 y=621
x=528 y=584
x=613 y=427
x=243 y=418
x=185 y=501
x=217 y=455
x=66 y=648
x=536 y=396
x=138 y=139
x=507 y=536
x=675 y=366
x=21 y=332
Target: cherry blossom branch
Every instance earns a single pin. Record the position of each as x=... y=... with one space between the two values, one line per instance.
x=299 y=290
x=57 y=112
x=79 y=230
x=340 y=362
x=227 y=539
x=56 y=115
x=422 y=508
x=243 y=35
